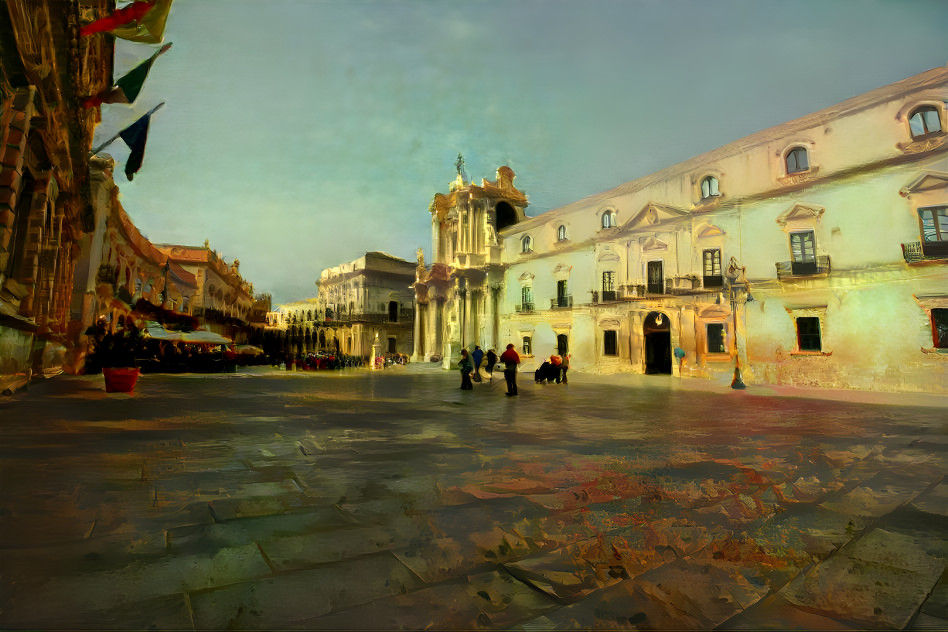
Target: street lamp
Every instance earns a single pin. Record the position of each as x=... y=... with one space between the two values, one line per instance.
x=736 y=283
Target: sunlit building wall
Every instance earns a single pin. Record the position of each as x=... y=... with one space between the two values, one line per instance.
x=811 y=253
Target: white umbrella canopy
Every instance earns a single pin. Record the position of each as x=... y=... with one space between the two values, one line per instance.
x=249 y=350
x=199 y=336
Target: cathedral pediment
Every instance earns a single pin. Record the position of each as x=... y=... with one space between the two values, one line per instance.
x=800 y=212
x=928 y=181
x=653 y=213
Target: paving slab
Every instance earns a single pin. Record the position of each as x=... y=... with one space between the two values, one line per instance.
x=104 y=590
x=487 y=600
x=776 y=613
x=870 y=592
x=281 y=601
x=879 y=495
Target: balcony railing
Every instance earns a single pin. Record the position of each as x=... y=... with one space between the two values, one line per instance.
x=713 y=281
x=609 y=295
x=916 y=251
x=561 y=301
x=525 y=307
x=791 y=269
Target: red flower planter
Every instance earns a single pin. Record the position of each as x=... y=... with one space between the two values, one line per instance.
x=120 y=379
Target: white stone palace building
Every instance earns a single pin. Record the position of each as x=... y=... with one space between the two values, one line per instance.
x=359 y=305
x=811 y=253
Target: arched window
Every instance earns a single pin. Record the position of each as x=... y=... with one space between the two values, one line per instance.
x=609 y=219
x=709 y=188
x=797 y=160
x=924 y=121
x=561 y=233
x=526 y=244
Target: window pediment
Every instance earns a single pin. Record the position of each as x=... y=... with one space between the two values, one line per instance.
x=653 y=244
x=608 y=255
x=527 y=277
x=801 y=213
x=928 y=181
x=710 y=230
x=713 y=311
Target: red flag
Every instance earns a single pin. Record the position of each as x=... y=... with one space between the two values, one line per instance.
x=120 y=17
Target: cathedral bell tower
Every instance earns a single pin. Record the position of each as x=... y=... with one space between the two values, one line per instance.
x=457 y=295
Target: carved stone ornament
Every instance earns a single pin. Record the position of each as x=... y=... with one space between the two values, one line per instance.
x=921 y=146
x=799 y=178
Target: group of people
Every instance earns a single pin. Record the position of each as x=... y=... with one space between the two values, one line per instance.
x=470 y=363
x=553 y=370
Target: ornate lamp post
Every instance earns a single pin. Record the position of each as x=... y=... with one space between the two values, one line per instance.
x=736 y=285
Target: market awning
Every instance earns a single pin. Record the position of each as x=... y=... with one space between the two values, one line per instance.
x=198 y=336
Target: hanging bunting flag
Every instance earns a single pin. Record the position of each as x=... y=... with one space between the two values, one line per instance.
x=135 y=136
x=141 y=21
x=127 y=88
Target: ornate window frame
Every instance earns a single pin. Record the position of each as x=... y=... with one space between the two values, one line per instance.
x=812 y=311
x=611 y=213
x=786 y=177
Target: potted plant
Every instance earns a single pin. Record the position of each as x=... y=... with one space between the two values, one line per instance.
x=115 y=354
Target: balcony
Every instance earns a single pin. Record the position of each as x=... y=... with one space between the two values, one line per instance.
x=561 y=302
x=917 y=251
x=801 y=269
x=525 y=307
x=715 y=281
x=609 y=295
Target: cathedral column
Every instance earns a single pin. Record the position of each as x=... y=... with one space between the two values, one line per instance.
x=417 y=345
x=439 y=326
x=466 y=297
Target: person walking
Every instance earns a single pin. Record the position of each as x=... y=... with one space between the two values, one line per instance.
x=556 y=362
x=511 y=359
x=564 y=367
x=491 y=363
x=466 y=369
x=477 y=356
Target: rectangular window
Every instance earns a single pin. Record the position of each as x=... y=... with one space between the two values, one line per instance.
x=562 y=294
x=656 y=278
x=808 y=333
x=716 y=338
x=391 y=345
x=610 y=343
x=940 y=327
x=609 y=286
x=934 y=223
x=526 y=296
x=711 y=264
x=802 y=246
x=527 y=345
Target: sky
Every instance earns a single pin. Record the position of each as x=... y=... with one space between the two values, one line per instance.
x=299 y=134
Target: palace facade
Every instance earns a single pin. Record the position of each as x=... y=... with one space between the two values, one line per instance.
x=45 y=69
x=811 y=253
x=362 y=307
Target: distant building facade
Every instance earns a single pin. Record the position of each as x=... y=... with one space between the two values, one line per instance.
x=223 y=301
x=811 y=253
x=120 y=271
x=359 y=305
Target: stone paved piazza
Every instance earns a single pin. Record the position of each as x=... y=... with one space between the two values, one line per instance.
x=394 y=500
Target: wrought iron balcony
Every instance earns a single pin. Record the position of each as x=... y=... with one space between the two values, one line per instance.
x=713 y=281
x=561 y=301
x=609 y=295
x=793 y=269
x=916 y=251
x=525 y=307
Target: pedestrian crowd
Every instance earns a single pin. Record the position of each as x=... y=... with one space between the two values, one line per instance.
x=551 y=371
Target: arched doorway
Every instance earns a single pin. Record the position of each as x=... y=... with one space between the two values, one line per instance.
x=506 y=215
x=657 y=332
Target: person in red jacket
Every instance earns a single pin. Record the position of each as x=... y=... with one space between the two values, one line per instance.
x=511 y=359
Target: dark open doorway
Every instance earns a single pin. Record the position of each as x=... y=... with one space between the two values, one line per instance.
x=657 y=332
